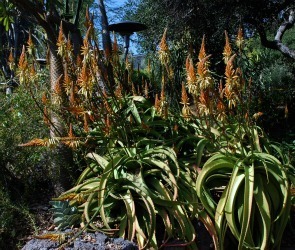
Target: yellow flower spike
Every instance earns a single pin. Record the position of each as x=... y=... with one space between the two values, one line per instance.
x=227 y=52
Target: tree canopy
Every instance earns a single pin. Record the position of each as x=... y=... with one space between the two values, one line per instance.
x=211 y=18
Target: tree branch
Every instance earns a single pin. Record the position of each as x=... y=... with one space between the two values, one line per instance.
x=277 y=43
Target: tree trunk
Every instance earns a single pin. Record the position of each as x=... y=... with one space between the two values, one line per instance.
x=62 y=156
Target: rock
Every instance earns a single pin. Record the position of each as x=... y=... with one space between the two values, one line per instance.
x=87 y=241
x=37 y=244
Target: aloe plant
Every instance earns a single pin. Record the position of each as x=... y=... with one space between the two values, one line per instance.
x=137 y=179
x=255 y=201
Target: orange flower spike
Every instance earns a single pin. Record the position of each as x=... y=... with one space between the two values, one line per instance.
x=257 y=115
x=201 y=68
x=44 y=98
x=163 y=94
x=240 y=38
x=230 y=73
x=31 y=47
x=105 y=95
x=11 y=60
x=157 y=102
x=84 y=77
x=79 y=61
x=202 y=98
x=67 y=79
x=184 y=97
x=115 y=45
x=88 y=21
x=220 y=89
x=33 y=72
x=34 y=142
x=220 y=106
x=71 y=134
x=57 y=86
x=45 y=116
x=72 y=95
x=107 y=127
x=227 y=52
x=286 y=111
x=118 y=91
x=191 y=75
x=85 y=49
x=69 y=47
x=23 y=64
x=187 y=63
x=163 y=43
x=61 y=41
x=164 y=50
x=202 y=53
x=86 y=127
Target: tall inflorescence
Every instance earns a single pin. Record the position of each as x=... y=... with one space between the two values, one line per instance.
x=200 y=83
x=209 y=98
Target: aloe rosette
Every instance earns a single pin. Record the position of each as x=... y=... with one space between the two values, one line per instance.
x=255 y=201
